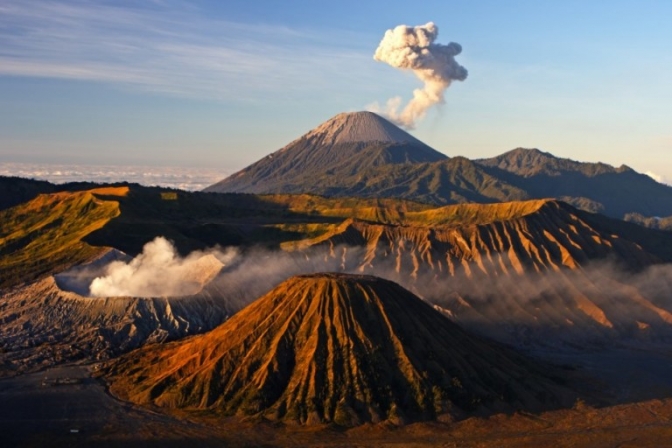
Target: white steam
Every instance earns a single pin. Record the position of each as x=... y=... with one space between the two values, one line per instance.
x=592 y=304
x=159 y=271
x=413 y=48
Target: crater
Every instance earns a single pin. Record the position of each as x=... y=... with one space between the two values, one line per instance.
x=78 y=278
x=116 y=274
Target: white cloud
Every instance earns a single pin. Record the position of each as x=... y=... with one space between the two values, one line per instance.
x=657 y=177
x=190 y=179
x=166 y=47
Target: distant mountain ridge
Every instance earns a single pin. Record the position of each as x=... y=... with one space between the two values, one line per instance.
x=363 y=155
x=530 y=162
x=597 y=187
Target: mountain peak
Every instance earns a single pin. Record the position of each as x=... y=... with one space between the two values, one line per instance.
x=526 y=155
x=333 y=152
x=338 y=348
x=530 y=162
x=357 y=127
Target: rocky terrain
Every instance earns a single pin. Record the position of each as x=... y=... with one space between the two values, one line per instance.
x=538 y=272
x=360 y=154
x=337 y=348
x=533 y=273
x=580 y=290
x=43 y=325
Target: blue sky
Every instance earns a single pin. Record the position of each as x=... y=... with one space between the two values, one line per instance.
x=220 y=84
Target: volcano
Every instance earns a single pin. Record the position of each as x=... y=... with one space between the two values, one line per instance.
x=336 y=348
x=340 y=147
x=363 y=155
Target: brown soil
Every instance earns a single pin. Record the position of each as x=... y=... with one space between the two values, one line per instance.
x=338 y=348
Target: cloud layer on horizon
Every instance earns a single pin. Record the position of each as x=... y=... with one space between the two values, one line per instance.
x=183 y=178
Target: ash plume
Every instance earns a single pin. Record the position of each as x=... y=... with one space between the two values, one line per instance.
x=413 y=48
x=159 y=271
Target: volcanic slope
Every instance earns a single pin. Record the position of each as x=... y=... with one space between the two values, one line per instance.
x=45 y=235
x=529 y=273
x=527 y=236
x=337 y=149
x=363 y=155
x=524 y=272
x=53 y=246
x=43 y=325
x=336 y=348
x=595 y=187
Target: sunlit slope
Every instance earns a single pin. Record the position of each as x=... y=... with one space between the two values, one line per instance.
x=531 y=272
x=496 y=238
x=336 y=348
x=55 y=231
x=199 y=220
x=45 y=235
x=522 y=268
x=17 y=190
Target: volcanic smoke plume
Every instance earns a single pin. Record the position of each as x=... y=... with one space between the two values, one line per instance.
x=413 y=48
x=159 y=271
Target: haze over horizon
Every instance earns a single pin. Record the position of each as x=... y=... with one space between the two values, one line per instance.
x=219 y=85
